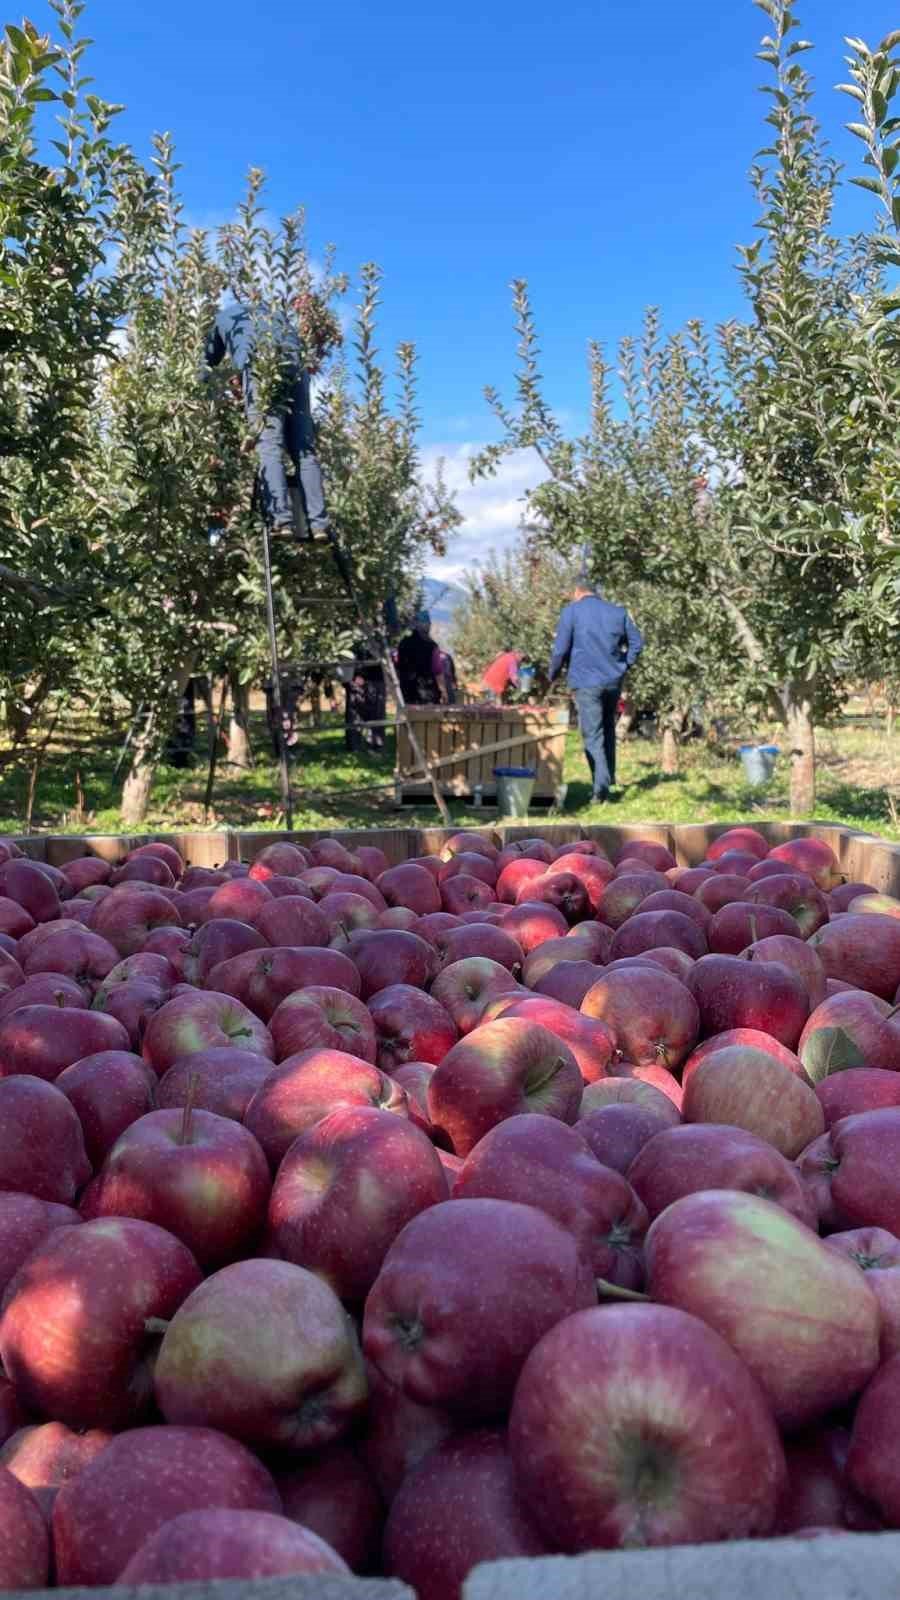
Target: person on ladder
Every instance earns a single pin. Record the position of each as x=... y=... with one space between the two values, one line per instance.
x=287 y=428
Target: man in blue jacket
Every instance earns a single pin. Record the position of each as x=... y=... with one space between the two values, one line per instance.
x=598 y=642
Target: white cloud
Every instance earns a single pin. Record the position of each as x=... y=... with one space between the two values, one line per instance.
x=492 y=508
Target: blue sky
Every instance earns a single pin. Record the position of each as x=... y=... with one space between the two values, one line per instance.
x=598 y=150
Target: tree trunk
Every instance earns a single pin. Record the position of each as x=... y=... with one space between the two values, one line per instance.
x=670 y=752
x=240 y=753
x=802 y=745
x=148 y=742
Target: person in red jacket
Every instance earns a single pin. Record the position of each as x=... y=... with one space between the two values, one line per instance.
x=502 y=674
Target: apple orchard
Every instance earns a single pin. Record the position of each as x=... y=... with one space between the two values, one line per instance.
x=737 y=486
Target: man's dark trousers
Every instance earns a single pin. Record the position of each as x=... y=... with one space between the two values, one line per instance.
x=597 y=710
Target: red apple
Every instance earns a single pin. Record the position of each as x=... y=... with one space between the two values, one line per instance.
x=127 y=915
x=655 y=855
x=86 y=871
x=721 y=890
x=262 y=979
x=346 y=914
x=292 y=920
x=41 y=1040
x=193 y=1021
x=174 y=943
x=41 y=1143
x=592 y=871
x=306 y=1087
x=318 y=881
x=466 y=1291
x=795 y=894
x=345 y=1189
x=457 y=944
x=842 y=898
x=25 y=1222
x=47 y=989
x=748 y=994
x=800 y=957
x=195 y=907
x=754 y=1039
x=46 y=1455
x=539 y=1161
x=14 y=919
x=569 y=982
x=608 y=1410
x=464 y=988
x=243 y=899
x=802 y=1319
x=204 y=878
x=817 y=1165
x=812 y=857
x=162 y=852
x=618 y=1131
x=745 y=922
x=140 y=1482
x=685 y=1160
x=77 y=954
x=218 y=940
x=531 y=924
x=410 y=886
x=472 y=863
x=331 y=853
x=414 y=1077
x=372 y=861
x=387 y=956
x=499 y=1071
x=470 y=839
x=818 y=1493
x=436 y=926
x=398 y=1433
x=865 y=1179
x=205 y=1546
x=281 y=860
x=857 y=1089
x=109 y=1091
x=687 y=880
x=410 y=1026
x=144 y=869
x=738 y=839
x=738 y=862
x=660 y=1078
x=525 y=849
x=278 y=886
x=335 y=1495
x=560 y=889
x=291 y=1381
x=458 y=1508
x=861 y=949
x=132 y=1004
x=24 y=1540
x=650 y=930
x=552 y=952
x=852 y=1029
x=202 y=1177
x=652 y=1016
x=590 y=1041
x=675 y=900
x=323 y=1016
x=517 y=873
x=749 y=1089
x=74 y=1336
x=872 y=1458
x=623 y=895
x=223 y=1081
x=465 y=893
x=877 y=1253
x=24 y=882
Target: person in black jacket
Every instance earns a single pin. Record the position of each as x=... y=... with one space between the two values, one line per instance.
x=598 y=642
x=418 y=664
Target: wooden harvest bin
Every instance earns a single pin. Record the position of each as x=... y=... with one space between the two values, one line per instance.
x=466 y=743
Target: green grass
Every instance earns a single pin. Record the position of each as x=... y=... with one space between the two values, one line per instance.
x=858 y=784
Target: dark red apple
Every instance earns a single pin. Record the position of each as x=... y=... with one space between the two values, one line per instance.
x=140 y=1482
x=608 y=1410
x=465 y=987
x=617 y=1132
x=569 y=982
x=322 y=1016
x=193 y=1021
x=306 y=1087
x=800 y=957
x=721 y=890
x=205 y=1546
x=590 y=1041
x=795 y=894
x=651 y=1015
x=750 y=1089
x=387 y=956
x=48 y=989
x=862 y=949
x=742 y=838
x=410 y=886
x=732 y=993
x=650 y=930
x=813 y=857
x=281 y=859
x=531 y=924
x=458 y=1508
x=25 y=883
x=857 y=1089
x=41 y=1143
x=223 y=1081
x=25 y=1222
x=466 y=1291
x=817 y=1493
x=500 y=1070
x=217 y=940
x=74 y=1336
x=44 y=1456
x=41 y=1040
x=852 y=1029
x=109 y=1091
x=24 y=1540
x=202 y=1177
x=126 y=916
x=85 y=871
x=14 y=919
x=680 y=1161
x=841 y=898
x=335 y=1495
x=345 y=1189
x=243 y=899
x=623 y=895
x=292 y=920
x=410 y=1026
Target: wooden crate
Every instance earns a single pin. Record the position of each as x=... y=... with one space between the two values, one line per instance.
x=465 y=743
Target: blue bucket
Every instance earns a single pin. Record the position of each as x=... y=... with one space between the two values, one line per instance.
x=758 y=762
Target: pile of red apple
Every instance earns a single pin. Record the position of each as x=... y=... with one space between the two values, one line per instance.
x=395 y=1219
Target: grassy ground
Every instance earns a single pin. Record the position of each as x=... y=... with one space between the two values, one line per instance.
x=859 y=783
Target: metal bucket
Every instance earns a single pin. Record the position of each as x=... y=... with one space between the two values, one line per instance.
x=515 y=786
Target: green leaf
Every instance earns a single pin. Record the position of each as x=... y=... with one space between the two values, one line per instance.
x=18 y=40
x=872 y=184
